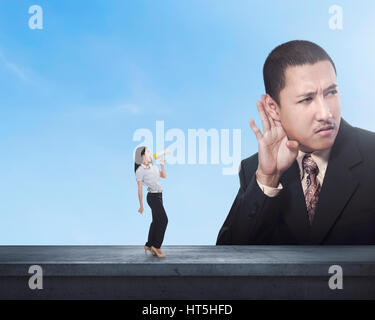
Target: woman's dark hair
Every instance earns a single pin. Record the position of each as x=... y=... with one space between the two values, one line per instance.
x=136 y=165
x=292 y=53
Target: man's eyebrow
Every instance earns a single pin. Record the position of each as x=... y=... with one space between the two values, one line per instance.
x=308 y=94
x=332 y=86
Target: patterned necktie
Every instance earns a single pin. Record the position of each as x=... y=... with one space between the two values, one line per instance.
x=313 y=186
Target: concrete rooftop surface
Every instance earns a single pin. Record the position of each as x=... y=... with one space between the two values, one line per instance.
x=188 y=271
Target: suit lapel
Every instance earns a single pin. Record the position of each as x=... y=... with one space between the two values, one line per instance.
x=339 y=183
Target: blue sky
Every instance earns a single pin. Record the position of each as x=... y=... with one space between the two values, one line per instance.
x=73 y=94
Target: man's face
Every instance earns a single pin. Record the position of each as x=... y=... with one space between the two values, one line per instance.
x=310 y=102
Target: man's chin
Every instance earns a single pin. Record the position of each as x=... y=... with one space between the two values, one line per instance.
x=318 y=146
x=321 y=144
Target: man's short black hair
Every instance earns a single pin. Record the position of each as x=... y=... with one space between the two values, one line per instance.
x=292 y=53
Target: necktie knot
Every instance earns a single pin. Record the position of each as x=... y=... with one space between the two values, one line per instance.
x=309 y=165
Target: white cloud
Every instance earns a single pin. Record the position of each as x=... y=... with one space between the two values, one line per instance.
x=14 y=68
x=27 y=75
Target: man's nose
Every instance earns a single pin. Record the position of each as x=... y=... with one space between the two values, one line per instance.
x=323 y=109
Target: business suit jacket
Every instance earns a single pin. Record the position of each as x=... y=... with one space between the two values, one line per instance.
x=345 y=213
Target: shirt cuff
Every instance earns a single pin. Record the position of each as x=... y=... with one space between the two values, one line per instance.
x=270 y=191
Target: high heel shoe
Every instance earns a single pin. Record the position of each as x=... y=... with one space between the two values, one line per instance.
x=156 y=253
x=147 y=249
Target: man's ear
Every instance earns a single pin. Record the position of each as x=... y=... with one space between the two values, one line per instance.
x=272 y=107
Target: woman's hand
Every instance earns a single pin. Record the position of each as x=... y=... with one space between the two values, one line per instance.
x=162 y=173
x=140 y=210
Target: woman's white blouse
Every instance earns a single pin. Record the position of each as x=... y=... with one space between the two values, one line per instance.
x=150 y=177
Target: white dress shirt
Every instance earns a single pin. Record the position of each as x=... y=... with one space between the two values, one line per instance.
x=320 y=157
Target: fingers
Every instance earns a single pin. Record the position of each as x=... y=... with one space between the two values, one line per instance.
x=272 y=122
x=277 y=123
x=255 y=129
x=263 y=116
x=293 y=145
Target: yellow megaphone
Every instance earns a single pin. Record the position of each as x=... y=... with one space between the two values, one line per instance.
x=159 y=154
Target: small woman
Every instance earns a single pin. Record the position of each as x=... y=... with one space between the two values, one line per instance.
x=148 y=174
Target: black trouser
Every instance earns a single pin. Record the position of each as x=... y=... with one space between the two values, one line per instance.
x=159 y=220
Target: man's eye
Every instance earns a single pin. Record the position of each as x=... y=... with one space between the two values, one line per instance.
x=305 y=100
x=332 y=92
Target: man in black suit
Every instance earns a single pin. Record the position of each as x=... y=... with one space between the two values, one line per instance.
x=312 y=181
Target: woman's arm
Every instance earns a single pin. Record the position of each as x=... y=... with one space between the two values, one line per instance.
x=163 y=174
x=140 y=197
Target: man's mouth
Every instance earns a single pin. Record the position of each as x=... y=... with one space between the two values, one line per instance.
x=327 y=130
